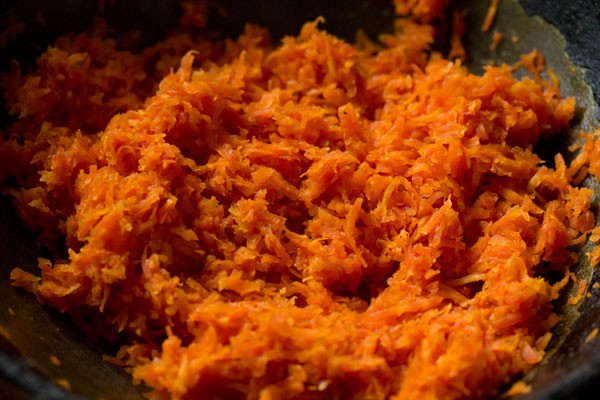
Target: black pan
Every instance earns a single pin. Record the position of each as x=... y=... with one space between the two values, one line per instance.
x=566 y=32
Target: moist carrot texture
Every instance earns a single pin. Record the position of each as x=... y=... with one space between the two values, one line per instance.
x=303 y=219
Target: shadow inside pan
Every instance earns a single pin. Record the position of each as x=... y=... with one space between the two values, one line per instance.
x=32 y=336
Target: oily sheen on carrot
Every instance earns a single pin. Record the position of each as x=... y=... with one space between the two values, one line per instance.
x=306 y=219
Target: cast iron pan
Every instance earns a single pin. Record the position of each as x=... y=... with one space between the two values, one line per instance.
x=566 y=32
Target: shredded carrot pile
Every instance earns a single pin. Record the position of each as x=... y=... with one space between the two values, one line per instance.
x=303 y=219
x=421 y=10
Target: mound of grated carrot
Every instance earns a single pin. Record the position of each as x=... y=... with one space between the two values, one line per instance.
x=309 y=219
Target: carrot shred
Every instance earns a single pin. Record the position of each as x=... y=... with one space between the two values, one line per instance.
x=490 y=15
x=55 y=361
x=518 y=388
x=592 y=335
x=580 y=293
x=497 y=39
x=65 y=383
x=457 y=49
x=4 y=332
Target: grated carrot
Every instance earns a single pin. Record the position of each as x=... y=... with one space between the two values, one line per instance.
x=305 y=219
x=55 y=360
x=518 y=388
x=592 y=335
x=457 y=49
x=580 y=292
x=65 y=384
x=573 y=277
x=113 y=360
x=4 y=332
x=497 y=38
x=490 y=15
x=593 y=257
x=422 y=10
